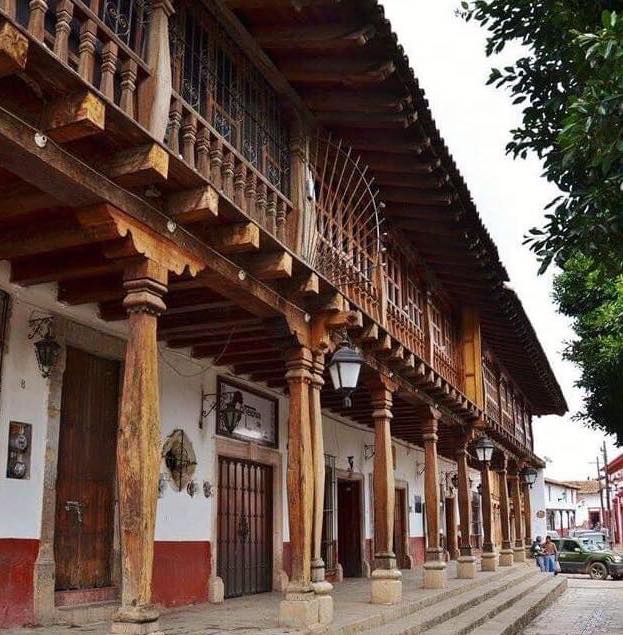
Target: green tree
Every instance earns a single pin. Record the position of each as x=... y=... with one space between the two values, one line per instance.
x=569 y=80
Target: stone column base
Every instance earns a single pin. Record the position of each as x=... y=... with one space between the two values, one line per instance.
x=299 y=610
x=435 y=576
x=136 y=620
x=322 y=590
x=466 y=567
x=216 y=591
x=489 y=561
x=386 y=586
x=519 y=554
x=135 y=628
x=506 y=557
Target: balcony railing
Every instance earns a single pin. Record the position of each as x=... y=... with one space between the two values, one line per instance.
x=103 y=42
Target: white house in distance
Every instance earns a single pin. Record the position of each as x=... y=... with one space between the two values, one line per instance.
x=589 y=508
x=561 y=499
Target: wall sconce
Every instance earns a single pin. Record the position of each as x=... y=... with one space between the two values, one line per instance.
x=47 y=349
x=368 y=451
x=479 y=489
x=351 y=463
x=230 y=413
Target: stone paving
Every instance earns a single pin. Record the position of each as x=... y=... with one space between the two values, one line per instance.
x=257 y=614
x=588 y=607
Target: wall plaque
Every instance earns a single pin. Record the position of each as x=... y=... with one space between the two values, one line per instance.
x=246 y=414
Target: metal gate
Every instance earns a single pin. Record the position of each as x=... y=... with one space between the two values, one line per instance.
x=244 y=527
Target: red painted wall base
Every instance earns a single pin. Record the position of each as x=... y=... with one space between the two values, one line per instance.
x=181 y=572
x=417 y=550
x=17 y=561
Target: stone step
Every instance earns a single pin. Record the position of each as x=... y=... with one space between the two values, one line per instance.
x=408 y=607
x=485 y=612
x=513 y=620
x=457 y=603
x=82 y=614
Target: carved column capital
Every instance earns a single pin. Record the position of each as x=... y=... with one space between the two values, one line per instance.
x=299 y=365
x=145 y=285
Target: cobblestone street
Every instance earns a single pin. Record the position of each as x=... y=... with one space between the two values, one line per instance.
x=587 y=607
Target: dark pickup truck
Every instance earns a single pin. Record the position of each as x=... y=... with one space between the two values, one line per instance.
x=575 y=556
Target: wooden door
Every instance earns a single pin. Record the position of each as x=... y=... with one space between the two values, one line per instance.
x=349 y=527
x=400 y=529
x=85 y=482
x=245 y=546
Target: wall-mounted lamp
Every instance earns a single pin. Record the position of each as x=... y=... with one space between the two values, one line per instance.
x=351 y=463
x=47 y=349
x=484 y=449
x=528 y=476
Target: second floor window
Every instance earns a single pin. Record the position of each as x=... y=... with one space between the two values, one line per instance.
x=214 y=77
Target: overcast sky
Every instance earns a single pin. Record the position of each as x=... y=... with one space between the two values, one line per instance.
x=449 y=61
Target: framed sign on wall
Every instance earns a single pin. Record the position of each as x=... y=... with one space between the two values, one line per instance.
x=245 y=414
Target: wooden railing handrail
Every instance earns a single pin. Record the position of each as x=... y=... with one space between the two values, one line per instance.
x=110 y=34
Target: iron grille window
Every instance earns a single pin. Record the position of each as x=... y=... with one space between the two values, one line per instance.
x=4 y=319
x=328 y=545
x=220 y=83
x=128 y=20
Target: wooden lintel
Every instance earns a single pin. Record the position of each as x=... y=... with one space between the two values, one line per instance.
x=236 y=238
x=72 y=117
x=137 y=167
x=193 y=206
x=272 y=266
x=13 y=50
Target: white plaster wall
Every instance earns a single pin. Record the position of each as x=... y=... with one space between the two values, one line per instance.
x=23 y=398
x=586 y=503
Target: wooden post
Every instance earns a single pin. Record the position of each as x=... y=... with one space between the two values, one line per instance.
x=300 y=607
x=519 y=548
x=527 y=516
x=506 y=553
x=489 y=557
x=472 y=357
x=466 y=563
x=386 y=578
x=451 y=534
x=321 y=587
x=154 y=96
x=138 y=447
x=435 y=566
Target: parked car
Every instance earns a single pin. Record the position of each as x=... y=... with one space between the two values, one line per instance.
x=554 y=535
x=593 y=537
x=576 y=556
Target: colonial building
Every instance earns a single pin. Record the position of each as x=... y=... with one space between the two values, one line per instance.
x=591 y=504
x=211 y=215
x=561 y=500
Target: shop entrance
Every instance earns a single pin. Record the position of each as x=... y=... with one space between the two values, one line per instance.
x=349 y=527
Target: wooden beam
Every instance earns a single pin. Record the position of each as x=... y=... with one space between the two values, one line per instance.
x=13 y=50
x=356 y=71
x=395 y=162
x=19 y=199
x=236 y=238
x=417 y=197
x=330 y=37
x=90 y=290
x=354 y=101
x=193 y=206
x=271 y=266
x=138 y=167
x=368 y=121
x=72 y=117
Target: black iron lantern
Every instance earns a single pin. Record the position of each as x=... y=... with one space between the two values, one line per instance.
x=484 y=449
x=344 y=369
x=528 y=476
x=455 y=481
x=232 y=412
x=47 y=349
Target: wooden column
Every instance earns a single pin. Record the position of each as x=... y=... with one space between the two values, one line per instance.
x=138 y=446
x=435 y=566
x=384 y=485
x=386 y=578
x=466 y=564
x=300 y=608
x=506 y=553
x=489 y=556
x=154 y=96
x=519 y=549
x=527 y=515
x=321 y=587
x=451 y=533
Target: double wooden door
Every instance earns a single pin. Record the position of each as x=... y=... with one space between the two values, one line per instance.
x=400 y=529
x=244 y=558
x=85 y=483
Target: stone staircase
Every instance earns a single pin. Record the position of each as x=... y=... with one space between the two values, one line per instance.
x=503 y=605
